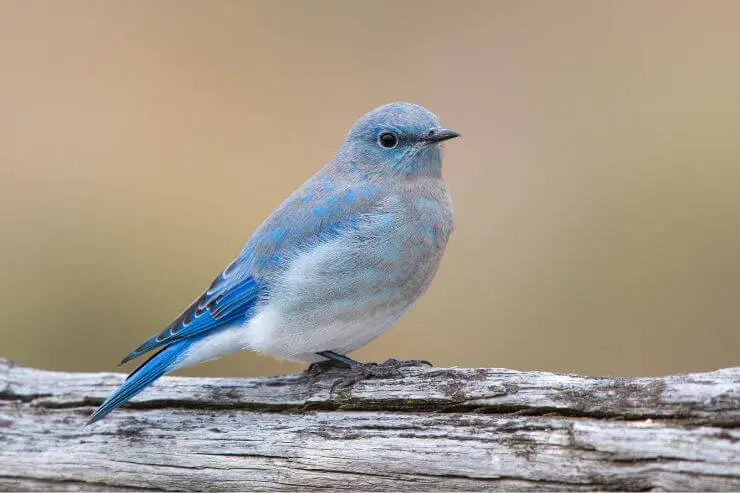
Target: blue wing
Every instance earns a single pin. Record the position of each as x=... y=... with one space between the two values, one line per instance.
x=321 y=209
x=317 y=211
x=229 y=298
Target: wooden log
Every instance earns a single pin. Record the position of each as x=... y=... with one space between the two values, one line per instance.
x=428 y=428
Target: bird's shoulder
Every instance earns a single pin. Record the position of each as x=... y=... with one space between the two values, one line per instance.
x=320 y=210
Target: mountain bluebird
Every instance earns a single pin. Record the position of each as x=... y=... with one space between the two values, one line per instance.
x=335 y=266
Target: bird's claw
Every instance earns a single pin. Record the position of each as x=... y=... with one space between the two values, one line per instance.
x=320 y=367
x=362 y=371
x=371 y=371
x=409 y=362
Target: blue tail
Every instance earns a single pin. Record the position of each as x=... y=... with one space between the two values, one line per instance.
x=156 y=366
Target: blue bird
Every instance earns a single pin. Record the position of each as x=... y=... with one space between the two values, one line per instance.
x=332 y=268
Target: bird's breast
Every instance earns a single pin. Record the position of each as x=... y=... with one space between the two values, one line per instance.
x=341 y=292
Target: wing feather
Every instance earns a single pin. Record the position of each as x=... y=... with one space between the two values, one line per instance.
x=217 y=307
x=318 y=211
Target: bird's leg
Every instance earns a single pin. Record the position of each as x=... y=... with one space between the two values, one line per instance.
x=357 y=371
x=348 y=363
x=333 y=360
x=339 y=359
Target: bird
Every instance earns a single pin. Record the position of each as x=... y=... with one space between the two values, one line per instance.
x=336 y=265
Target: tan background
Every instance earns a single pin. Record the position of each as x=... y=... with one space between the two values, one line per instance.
x=596 y=184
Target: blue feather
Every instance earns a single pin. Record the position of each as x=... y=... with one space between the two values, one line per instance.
x=227 y=300
x=223 y=303
x=156 y=366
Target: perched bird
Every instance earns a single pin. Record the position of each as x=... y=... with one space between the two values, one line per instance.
x=334 y=267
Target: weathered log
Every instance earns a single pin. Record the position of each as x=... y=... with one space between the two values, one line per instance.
x=429 y=428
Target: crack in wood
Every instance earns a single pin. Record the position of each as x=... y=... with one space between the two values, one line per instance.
x=452 y=429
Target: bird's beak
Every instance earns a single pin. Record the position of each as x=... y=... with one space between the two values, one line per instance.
x=438 y=135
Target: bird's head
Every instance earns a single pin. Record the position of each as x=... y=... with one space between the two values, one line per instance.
x=398 y=139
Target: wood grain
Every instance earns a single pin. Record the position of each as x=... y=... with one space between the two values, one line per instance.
x=428 y=428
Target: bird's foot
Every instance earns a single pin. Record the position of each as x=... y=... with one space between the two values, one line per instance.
x=353 y=371
x=321 y=367
x=408 y=362
x=369 y=371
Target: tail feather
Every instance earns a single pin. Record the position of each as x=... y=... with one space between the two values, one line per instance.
x=161 y=363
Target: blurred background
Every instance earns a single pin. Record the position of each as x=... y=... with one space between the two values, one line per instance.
x=597 y=183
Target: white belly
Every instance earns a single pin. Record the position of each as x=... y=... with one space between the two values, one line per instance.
x=270 y=332
x=319 y=305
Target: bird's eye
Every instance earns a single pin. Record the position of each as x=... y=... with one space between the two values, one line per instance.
x=387 y=140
